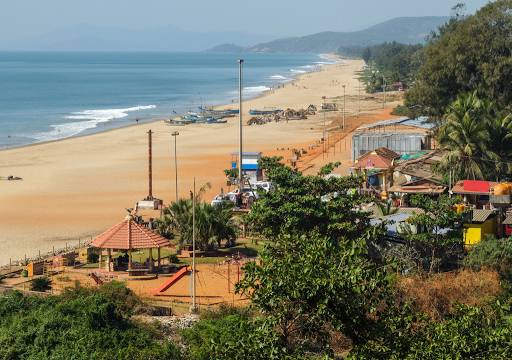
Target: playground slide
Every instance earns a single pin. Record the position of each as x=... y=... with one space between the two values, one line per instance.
x=166 y=285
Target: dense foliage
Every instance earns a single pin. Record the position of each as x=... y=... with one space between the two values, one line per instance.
x=477 y=140
x=393 y=62
x=438 y=236
x=493 y=254
x=470 y=53
x=80 y=324
x=300 y=204
x=214 y=223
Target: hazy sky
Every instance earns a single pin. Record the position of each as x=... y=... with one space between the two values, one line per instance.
x=25 y=18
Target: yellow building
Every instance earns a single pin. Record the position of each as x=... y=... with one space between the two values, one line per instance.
x=483 y=223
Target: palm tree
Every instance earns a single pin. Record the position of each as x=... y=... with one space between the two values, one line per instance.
x=214 y=223
x=465 y=137
x=500 y=146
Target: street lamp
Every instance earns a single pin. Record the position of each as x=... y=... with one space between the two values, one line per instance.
x=175 y=135
x=240 y=148
x=344 y=86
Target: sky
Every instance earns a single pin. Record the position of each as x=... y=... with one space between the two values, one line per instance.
x=279 y=18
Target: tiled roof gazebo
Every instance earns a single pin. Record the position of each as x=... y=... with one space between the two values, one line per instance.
x=128 y=235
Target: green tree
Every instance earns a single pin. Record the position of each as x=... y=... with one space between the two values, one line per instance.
x=465 y=137
x=299 y=204
x=214 y=223
x=308 y=284
x=438 y=237
x=469 y=53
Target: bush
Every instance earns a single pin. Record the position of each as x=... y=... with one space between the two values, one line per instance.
x=80 y=324
x=491 y=253
x=437 y=296
x=41 y=284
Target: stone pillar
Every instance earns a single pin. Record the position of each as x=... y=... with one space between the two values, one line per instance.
x=130 y=259
x=151 y=264
x=110 y=260
x=158 y=250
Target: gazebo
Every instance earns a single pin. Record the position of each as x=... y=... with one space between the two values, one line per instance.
x=128 y=235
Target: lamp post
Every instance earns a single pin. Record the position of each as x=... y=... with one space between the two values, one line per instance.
x=175 y=135
x=384 y=87
x=344 y=86
x=240 y=148
x=194 y=306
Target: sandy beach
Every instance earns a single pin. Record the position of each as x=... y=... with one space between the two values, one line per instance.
x=75 y=188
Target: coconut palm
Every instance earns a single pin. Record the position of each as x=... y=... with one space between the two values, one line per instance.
x=214 y=223
x=500 y=146
x=465 y=137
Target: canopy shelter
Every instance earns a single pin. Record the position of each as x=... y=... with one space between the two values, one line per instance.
x=128 y=235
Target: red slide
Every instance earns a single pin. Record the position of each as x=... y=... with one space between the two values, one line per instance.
x=166 y=285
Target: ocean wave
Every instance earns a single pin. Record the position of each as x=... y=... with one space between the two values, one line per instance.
x=256 y=89
x=279 y=77
x=297 y=71
x=91 y=120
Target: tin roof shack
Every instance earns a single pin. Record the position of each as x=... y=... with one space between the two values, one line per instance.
x=250 y=167
x=483 y=223
x=475 y=192
x=414 y=174
x=377 y=168
x=402 y=136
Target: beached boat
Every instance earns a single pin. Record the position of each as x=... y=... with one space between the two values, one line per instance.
x=254 y=112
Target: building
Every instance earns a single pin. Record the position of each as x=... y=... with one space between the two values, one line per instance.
x=483 y=223
x=250 y=166
x=377 y=168
x=402 y=136
x=414 y=174
x=475 y=192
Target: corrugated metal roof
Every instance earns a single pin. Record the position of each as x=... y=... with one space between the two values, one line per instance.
x=481 y=215
x=420 y=122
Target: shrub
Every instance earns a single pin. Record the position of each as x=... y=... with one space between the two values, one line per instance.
x=80 y=324
x=41 y=284
x=438 y=295
x=491 y=253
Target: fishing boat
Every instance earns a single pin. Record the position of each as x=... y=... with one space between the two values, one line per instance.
x=254 y=112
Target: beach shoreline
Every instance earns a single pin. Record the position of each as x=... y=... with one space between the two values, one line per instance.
x=77 y=187
x=221 y=104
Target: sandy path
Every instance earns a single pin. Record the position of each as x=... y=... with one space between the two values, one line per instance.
x=76 y=188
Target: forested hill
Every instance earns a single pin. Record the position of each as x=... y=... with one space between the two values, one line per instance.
x=406 y=30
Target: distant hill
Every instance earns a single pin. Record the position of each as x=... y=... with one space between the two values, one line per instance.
x=406 y=30
x=97 y=38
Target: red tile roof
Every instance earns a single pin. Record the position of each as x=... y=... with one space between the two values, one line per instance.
x=129 y=235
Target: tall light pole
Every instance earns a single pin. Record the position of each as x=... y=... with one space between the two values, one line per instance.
x=344 y=104
x=240 y=100
x=194 y=308
x=175 y=135
x=384 y=86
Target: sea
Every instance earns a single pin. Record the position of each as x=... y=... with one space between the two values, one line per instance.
x=47 y=96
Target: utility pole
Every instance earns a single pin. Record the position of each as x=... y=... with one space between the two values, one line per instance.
x=150 y=164
x=359 y=98
x=240 y=148
x=344 y=86
x=193 y=309
x=175 y=135
x=384 y=87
